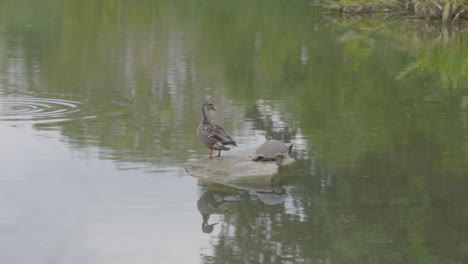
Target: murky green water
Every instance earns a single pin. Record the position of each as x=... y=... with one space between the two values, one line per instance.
x=99 y=101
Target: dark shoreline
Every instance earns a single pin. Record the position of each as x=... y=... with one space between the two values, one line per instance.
x=446 y=12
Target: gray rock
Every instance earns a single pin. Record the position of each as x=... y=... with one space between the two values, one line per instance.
x=237 y=168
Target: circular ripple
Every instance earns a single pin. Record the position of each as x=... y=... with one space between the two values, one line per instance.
x=24 y=108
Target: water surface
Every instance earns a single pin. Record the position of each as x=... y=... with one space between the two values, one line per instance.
x=99 y=101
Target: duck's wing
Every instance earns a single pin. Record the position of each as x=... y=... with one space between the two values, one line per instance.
x=221 y=135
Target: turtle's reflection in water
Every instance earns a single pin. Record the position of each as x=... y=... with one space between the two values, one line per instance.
x=277 y=196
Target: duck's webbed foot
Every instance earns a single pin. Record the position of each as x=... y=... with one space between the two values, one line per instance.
x=210 y=156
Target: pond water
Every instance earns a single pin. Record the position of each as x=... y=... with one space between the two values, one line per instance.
x=100 y=100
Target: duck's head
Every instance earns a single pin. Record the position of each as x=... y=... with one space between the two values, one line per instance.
x=208 y=106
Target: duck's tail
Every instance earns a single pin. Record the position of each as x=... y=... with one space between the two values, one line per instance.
x=230 y=143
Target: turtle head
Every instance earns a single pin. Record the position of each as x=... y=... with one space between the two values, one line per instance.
x=290 y=147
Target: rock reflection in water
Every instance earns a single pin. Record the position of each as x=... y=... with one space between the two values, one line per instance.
x=222 y=199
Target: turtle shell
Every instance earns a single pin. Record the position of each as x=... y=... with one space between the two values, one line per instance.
x=270 y=150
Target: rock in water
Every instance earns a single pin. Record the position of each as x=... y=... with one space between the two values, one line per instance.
x=235 y=167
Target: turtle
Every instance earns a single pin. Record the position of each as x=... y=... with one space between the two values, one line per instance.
x=273 y=150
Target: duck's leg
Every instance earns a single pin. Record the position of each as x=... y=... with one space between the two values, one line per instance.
x=210 y=157
x=219 y=153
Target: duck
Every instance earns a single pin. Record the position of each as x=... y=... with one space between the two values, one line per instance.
x=214 y=136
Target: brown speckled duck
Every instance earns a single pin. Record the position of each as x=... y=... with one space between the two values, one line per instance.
x=213 y=136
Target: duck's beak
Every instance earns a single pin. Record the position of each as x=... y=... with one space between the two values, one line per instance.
x=214 y=108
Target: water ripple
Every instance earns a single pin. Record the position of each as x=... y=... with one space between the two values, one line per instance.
x=28 y=108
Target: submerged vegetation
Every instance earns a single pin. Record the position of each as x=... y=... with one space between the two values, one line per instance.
x=446 y=10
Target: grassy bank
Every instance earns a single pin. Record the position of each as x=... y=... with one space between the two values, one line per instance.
x=446 y=10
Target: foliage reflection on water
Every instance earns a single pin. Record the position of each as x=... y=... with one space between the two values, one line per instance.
x=378 y=116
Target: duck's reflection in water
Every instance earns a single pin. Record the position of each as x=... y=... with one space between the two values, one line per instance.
x=221 y=199
x=213 y=202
